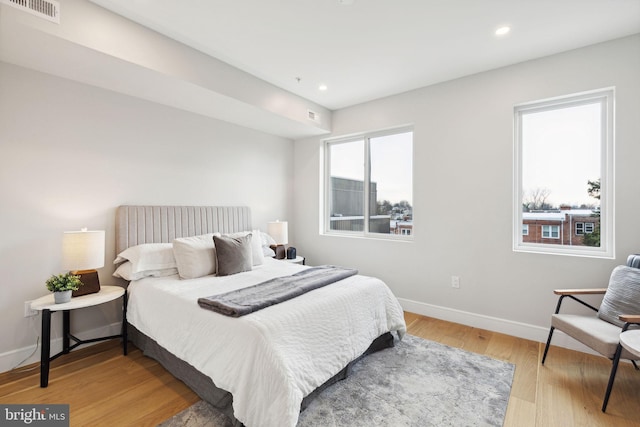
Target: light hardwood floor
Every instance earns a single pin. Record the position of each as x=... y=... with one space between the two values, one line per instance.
x=105 y=388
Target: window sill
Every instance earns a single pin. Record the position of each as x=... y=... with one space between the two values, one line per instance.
x=578 y=251
x=370 y=236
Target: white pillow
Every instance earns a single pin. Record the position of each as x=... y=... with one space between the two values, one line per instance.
x=148 y=256
x=268 y=252
x=124 y=271
x=267 y=240
x=257 y=255
x=195 y=256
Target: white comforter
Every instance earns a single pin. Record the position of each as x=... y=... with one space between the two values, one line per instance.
x=271 y=359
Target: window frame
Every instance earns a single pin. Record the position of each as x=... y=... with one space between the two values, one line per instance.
x=606 y=98
x=551 y=228
x=589 y=227
x=325 y=214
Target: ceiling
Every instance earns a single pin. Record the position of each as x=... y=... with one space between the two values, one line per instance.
x=367 y=49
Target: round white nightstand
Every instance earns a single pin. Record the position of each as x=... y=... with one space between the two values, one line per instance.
x=47 y=305
x=106 y=294
x=296 y=260
x=631 y=341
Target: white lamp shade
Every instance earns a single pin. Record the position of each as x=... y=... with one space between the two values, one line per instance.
x=82 y=250
x=279 y=231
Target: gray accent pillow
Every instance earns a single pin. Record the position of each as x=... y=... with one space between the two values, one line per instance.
x=233 y=254
x=622 y=296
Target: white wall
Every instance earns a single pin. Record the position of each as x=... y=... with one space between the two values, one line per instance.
x=463 y=149
x=71 y=153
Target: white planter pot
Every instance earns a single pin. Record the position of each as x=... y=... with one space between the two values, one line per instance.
x=62 y=297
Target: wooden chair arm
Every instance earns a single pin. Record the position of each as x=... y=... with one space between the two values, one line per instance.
x=580 y=291
x=630 y=318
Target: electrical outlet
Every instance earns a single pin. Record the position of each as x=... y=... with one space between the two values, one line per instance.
x=455 y=282
x=28 y=312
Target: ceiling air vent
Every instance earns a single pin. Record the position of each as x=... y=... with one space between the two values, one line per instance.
x=45 y=9
x=312 y=115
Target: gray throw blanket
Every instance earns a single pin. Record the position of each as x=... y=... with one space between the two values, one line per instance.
x=247 y=300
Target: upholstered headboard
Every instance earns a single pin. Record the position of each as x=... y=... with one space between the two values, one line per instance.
x=161 y=224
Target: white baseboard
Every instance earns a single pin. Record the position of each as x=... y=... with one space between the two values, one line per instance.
x=10 y=359
x=495 y=324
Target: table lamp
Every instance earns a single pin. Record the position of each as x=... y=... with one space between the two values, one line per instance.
x=82 y=253
x=279 y=232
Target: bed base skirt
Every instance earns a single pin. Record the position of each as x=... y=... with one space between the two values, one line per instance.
x=221 y=399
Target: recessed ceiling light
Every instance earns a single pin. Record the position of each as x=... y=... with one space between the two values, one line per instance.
x=502 y=31
x=322 y=87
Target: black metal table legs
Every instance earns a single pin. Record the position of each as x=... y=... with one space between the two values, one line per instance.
x=46 y=348
x=45 y=353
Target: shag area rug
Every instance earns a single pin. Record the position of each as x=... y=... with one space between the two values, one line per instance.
x=416 y=383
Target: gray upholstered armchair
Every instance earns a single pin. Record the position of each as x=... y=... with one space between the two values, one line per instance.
x=601 y=330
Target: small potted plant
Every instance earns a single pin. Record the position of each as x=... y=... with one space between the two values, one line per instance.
x=62 y=285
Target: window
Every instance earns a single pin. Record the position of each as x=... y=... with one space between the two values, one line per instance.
x=584 y=228
x=563 y=174
x=525 y=229
x=369 y=184
x=551 y=231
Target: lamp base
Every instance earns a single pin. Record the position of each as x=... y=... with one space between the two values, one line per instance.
x=91 y=283
x=279 y=250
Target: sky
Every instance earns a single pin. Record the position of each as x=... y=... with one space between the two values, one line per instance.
x=561 y=152
x=391 y=164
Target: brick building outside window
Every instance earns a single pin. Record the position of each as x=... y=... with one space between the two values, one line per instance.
x=565 y=226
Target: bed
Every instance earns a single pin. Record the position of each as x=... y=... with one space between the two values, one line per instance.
x=263 y=368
